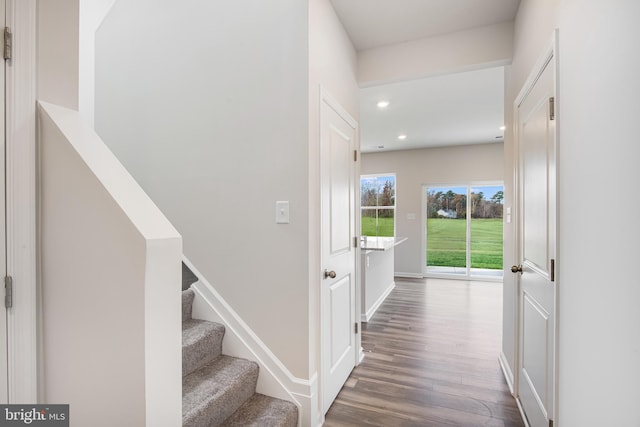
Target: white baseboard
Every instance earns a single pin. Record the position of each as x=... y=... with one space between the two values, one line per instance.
x=240 y=341
x=408 y=275
x=506 y=370
x=365 y=317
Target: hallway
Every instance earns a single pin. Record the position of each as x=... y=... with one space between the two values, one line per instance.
x=431 y=359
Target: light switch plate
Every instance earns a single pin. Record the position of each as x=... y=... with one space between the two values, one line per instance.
x=282 y=212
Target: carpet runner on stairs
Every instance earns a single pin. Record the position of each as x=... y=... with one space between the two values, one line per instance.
x=219 y=390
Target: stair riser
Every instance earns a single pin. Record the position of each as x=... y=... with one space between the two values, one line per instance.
x=187 y=304
x=202 y=352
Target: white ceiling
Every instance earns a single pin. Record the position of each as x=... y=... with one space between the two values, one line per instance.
x=456 y=109
x=373 y=23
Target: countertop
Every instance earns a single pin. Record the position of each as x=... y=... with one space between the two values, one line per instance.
x=368 y=243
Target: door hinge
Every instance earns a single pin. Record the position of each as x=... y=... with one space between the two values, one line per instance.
x=550 y=423
x=8 y=43
x=552 y=108
x=553 y=270
x=355 y=241
x=8 y=291
x=355 y=155
x=356 y=328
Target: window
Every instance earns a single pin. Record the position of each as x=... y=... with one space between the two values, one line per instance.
x=378 y=205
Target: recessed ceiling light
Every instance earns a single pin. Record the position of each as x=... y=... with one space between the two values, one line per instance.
x=503 y=127
x=383 y=104
x=402 y=137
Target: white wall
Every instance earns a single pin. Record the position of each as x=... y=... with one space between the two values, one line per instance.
x=109 y=285
x=482 y=47
x=599 y=322
x=206 y=103
x=376 y=280
x=599 y=316
x=57 y=52
x=66 y=52
x=91 y=13
x=414 y=168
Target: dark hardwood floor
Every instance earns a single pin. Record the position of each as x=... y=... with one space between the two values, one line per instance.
x=431 y=359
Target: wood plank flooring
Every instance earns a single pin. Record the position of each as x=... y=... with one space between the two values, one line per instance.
x=431 y=359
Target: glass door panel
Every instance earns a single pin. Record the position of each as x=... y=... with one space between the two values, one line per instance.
x=447 y=230
x=486 y=230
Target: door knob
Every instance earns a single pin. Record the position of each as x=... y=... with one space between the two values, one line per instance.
x=516 y=269
x=331 y=274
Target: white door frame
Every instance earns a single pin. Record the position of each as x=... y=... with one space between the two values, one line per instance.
x=325 y=97
x=4 y=364
x=550 y=54
x=21 y=202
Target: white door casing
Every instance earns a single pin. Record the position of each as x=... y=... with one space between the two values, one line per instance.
x=20 y=200
x=536 y=138
x=4 y=391
x=337 y=294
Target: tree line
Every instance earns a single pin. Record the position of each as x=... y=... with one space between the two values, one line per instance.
x=454 y=205
x=372 y=195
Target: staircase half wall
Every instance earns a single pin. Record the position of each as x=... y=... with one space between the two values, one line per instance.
x=109 y=284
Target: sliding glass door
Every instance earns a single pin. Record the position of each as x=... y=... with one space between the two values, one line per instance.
x=464 y=230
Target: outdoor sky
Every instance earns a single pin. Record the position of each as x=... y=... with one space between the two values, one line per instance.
x=487 y=190
x=381 y=179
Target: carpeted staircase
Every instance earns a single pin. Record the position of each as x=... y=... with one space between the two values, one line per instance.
x=219 y=390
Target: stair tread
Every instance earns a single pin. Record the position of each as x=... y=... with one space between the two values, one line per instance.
x=264 y=411
x=194 y=329
x=214 y=392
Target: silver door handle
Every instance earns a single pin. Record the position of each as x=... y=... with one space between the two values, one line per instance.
x=329 y=274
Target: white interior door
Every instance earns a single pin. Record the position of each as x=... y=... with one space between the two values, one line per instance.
x=338 y=336
x=3 y=238
x=537 y=231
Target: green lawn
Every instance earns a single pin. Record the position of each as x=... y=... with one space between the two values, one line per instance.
x=446 y=240
x=385 y=226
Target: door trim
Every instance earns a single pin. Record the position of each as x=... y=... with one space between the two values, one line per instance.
x=326 y=97
x=21 y=202
x=549 y=55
